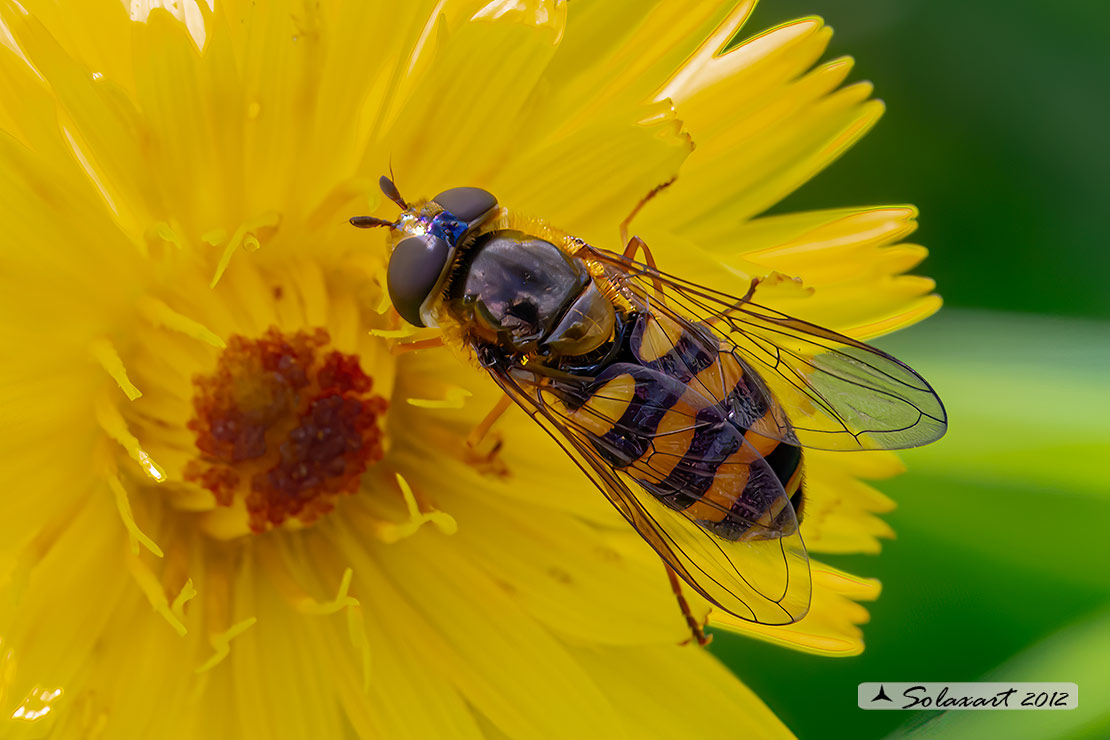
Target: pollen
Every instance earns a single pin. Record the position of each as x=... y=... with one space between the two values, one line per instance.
x=284 y=424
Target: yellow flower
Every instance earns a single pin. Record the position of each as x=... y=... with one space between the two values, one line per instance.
x=230 y=507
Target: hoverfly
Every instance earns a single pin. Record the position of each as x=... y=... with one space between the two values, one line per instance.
x=689 y=408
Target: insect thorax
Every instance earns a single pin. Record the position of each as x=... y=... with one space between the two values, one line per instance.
x=528 y=295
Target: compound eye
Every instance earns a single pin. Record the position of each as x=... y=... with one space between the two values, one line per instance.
x=414 y=270
x=466 y=204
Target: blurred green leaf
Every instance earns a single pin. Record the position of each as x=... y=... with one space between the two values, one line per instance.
x=1079 y=654
x=1028 y=398
x=995 y=122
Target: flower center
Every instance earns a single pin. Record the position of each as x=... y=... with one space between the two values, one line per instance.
x=284 y=426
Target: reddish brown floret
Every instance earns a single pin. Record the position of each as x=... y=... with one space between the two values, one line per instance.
x=299 y=428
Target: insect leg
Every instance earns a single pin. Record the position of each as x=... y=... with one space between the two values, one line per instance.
x=486 y=461
x=643 y=202
x=636 y=244
x=479 y=432
x=746 y=298
x=751 y=290
x=695 y=628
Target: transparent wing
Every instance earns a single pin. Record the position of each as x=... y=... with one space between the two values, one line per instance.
x=828 y=391
x=753 y=563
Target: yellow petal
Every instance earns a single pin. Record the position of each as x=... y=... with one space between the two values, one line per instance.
x=95 y=33
x=289 y=694
x=432 y=146
x=468 y=616
x=830 y=628
x=420 y=699
x=65 y=581
x=560 y=569
x=840 y=510
x=704 y=700
x=764 y=62
x=191 y=105
x=620 y=162
x=777 y=160
x=101 y=123
x=848 y=260
x=749 y=105
x=614 y=53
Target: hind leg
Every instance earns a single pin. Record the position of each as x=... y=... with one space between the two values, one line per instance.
x=695 y=628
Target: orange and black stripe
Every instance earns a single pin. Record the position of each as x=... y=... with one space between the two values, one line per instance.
x=683 y=419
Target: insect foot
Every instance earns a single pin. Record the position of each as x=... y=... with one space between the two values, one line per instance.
x=484 y=455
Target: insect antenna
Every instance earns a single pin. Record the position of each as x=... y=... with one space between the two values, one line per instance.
x=390 y=191
x=369 y=222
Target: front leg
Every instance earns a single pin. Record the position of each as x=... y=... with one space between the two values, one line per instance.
x=482 y=445
x=643 y=202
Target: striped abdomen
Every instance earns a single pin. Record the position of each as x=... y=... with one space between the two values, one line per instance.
x=683 y=420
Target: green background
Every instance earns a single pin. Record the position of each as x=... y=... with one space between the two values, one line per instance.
x=995 y=128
